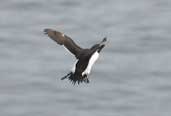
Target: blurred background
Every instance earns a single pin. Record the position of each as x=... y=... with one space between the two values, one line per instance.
x=131 y=78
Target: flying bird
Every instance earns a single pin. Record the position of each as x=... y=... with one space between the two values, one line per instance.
x=85 y=57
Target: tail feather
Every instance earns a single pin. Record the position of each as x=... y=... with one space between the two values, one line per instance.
x=76 y=78
x=66 y=76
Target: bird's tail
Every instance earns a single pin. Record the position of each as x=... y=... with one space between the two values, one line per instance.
x=69 y=74
x=74 y=78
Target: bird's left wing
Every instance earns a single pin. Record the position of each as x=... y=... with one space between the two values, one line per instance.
x=63 y=39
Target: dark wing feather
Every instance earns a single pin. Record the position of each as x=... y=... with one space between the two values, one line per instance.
x=98 y=47
x=62 y=39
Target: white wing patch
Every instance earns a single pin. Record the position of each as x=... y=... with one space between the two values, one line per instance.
x=92 y=60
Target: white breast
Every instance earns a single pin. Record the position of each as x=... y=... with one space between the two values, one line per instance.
x=92 y=60
x=74 y=66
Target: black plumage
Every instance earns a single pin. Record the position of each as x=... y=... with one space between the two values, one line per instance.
x=83 y=55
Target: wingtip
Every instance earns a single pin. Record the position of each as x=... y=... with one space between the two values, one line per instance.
x=46 y=31
x=104 y=39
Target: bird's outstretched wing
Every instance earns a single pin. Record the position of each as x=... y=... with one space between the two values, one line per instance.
x=99 y=46
x=62 y=39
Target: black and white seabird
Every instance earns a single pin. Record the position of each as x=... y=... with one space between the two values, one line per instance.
x=85 y=57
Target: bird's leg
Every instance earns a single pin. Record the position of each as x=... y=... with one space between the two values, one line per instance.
x=66 y=76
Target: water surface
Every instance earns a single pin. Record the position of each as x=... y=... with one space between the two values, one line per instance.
x=131 y=78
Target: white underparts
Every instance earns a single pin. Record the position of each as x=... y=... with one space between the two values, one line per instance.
x=74 y=67
x=92 y=60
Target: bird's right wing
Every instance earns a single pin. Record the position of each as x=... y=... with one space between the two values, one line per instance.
x=62 y=39
x=99 y=46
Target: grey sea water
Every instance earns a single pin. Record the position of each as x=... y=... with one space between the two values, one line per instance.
x=131 y=78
